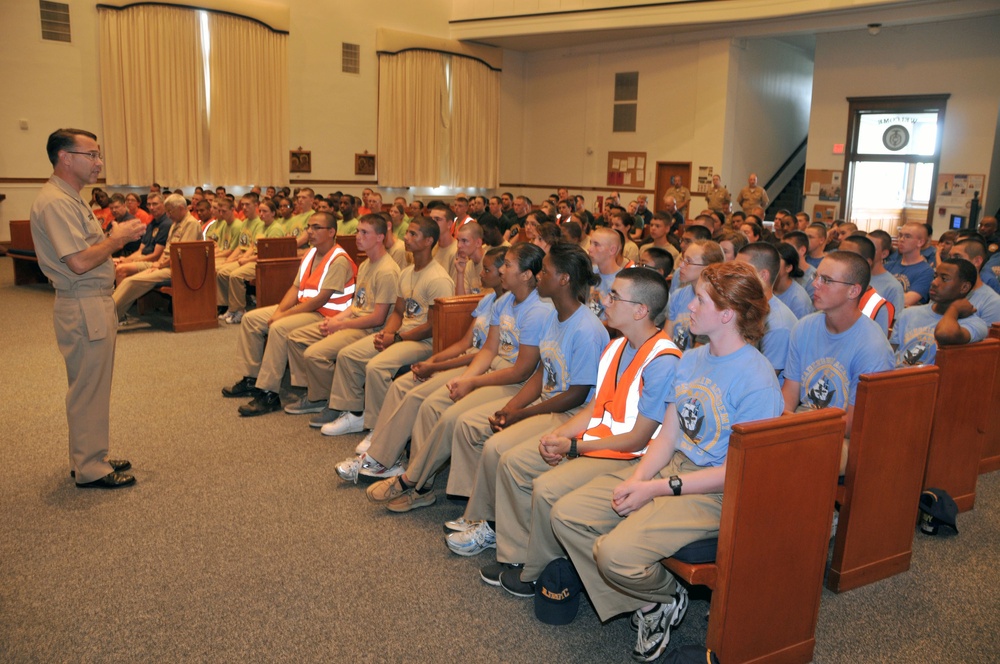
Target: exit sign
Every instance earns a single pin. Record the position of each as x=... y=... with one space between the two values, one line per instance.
x=838 y=148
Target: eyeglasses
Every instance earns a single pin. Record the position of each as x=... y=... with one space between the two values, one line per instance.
x=93 y=155
x=317 y=227
x=826 y=281
x=613 y=297
x=688 y=261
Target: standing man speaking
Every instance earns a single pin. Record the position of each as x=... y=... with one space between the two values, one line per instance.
x=75 y=255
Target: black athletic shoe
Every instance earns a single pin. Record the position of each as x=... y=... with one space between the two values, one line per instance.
x=264 y=402
x=246 y=387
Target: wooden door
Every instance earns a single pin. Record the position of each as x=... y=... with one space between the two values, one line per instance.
x=666 y=170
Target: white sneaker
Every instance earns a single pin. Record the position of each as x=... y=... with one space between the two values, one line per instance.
x=375 y=470
x=364 y=445
x=224 y=315
x=347 y=469
x=654 y=627
x=459 y=524
x=346 y=423
x=234 y=318
x=473 y=541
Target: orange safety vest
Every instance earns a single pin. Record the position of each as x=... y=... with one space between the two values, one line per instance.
x=871 y=302
x=616 y=405
x=310 y=281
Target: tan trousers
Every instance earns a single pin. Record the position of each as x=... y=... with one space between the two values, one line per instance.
x=399 y=413
x=437 y=421
x=363 y=374
x=312 y=357
x=237 y=288
x=222 y=274
x=85 y=332
x=618 y=558
x=482 y=500
x=267 y=362
x=527 y=488
x=135 y=287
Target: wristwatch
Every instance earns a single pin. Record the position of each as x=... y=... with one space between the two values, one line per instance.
x=676 y=484
x=572 y=454
x=396 y=338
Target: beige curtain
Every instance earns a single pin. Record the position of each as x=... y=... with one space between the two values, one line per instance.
x=474 y=130
x=413 y=95
x=249 y=102
x=152 y=96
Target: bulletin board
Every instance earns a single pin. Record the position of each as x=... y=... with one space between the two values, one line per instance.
x=822 y=183
x=627 y=169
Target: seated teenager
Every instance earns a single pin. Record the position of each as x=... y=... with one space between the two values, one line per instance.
x=323 y=288
x=697 y=256
x=366 y=367
x=949 y=320
x=403 y=401
x=780 y=320
x=909 y=265
x=786 y=287
x=873 y=304
x=605 y=253
x=983 y=298
x=619 y=526
x=830 y=349
x=507 y=359
x=633 y=377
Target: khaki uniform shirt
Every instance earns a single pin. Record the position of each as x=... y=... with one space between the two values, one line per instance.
x=682 y=195
x=376 y=283
x=718 y=199
x=751 y=197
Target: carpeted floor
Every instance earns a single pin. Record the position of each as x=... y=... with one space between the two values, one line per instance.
x=239 y=543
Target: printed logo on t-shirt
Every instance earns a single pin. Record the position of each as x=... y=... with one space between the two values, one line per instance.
x=555 y=373
x=702 y=414
x=682 y=332
x=903 y=280
x=913 y=351
x=825 y=384
x=361 y=297
x=478 y=336
x=413 y=309
x=595 y=303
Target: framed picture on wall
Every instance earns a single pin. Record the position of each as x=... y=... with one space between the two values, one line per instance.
x=364 y=164
x=300 y=161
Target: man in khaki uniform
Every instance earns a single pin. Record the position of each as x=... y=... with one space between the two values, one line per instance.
x=681 y=195
x=183 y=228
x=752 y=196
x=717 y=198
x=75 y=255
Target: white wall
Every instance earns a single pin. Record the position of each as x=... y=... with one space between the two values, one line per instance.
x=958 y=57
x=768 y=108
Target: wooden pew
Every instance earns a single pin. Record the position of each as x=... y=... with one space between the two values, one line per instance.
x=192 y=285
x=960 y=419
x=451 y=317
x=991 y=450
x=774 y=534
x=22 y=253
x=885 y=471
x=277 y=264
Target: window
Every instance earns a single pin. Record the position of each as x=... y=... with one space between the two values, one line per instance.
x=626 y=90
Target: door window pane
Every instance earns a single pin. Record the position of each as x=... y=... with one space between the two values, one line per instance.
x=897 y=133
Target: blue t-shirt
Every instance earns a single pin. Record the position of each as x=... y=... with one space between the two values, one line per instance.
x=597 y=293
x=916 y=277
x=987 y=304
x=519 y=324
x=714 y=393
x=827 y=365
x=777 y=332
x=571 y=351
x=991 y=272
x=889 y=287
x=930 y=255
x=796 y=299
x=814 y=261
x=481 y=318
x=914 y=335
x=806 y=281
x=680 y=317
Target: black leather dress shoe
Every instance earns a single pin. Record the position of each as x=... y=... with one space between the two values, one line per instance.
x=117 y=465
x=113 y=480
x=246 y=387
x=264 y=402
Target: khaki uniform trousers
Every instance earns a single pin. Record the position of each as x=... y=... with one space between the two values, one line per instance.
x=437 y=422
x=267 y=362
x=135 y=287
x=399 y=413
x=482 y=501
x=312 y=357
x=232 y=287
x=363 y=374
x=527 y=488
x=85 y=327
x=618 y=558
